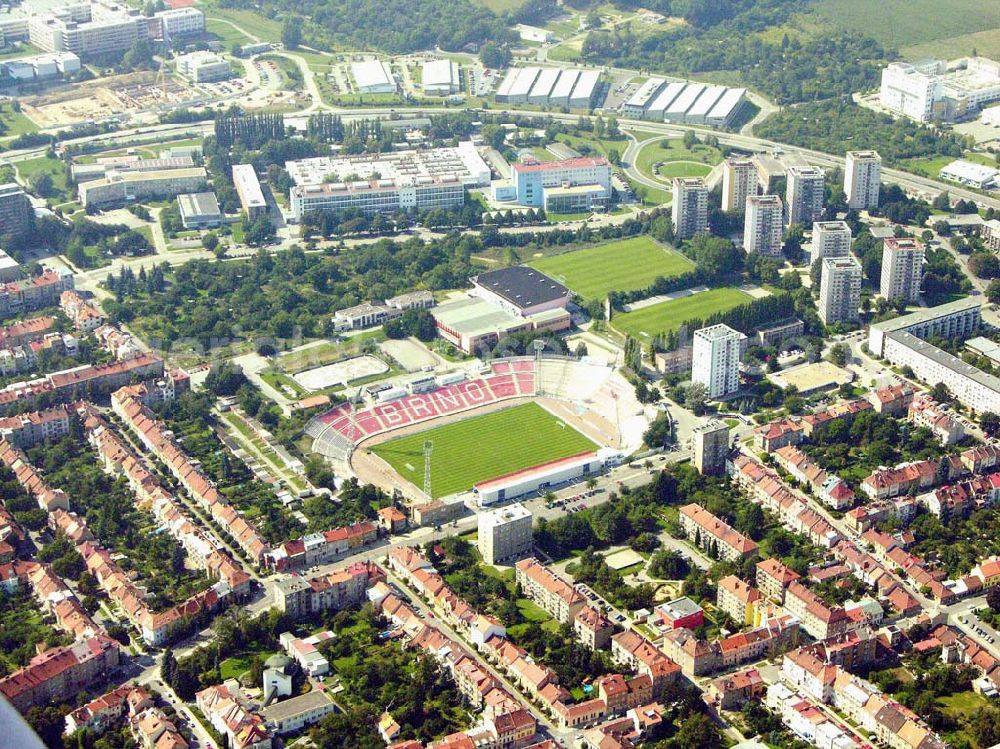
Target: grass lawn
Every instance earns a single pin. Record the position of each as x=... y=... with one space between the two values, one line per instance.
x=985 y=43
x=675 y=160
x=519 y=437
x=14 y=123
x=567 y=52
x=54 y=168
x=626 y=265
x=228 y=35
x=252 y=23
x=670 y=315
x=500 y=6
x=593 y=145
x=234 y=667
x=930 y=167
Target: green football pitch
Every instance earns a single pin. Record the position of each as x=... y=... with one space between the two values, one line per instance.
x=670 y=315
x=626 y=265
x=483 y=447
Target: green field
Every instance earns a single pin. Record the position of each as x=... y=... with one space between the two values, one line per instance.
x=904 y=23
x=627 y=265
x=670 y=315
x=517 y=438
x=675 y=160
x=930 y=166
x=250 y=23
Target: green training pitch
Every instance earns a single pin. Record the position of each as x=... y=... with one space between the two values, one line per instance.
x=670 y=315
x=483 y=447
x=626 y=265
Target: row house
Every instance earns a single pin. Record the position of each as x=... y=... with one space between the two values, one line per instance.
x=698 y=657
x=926 y=413
x=844 y=412
x=119 y=460
x=159 y=441
x=962 y=498
x=981 y=458
x=637 y=653
x=777 y=434
x=31 y=481
x=321 y=548
x=12 y=536
x=29 y=429
x=57 y=599
x=83 y=313
x=903 y=508
x=764 y=486
x=33 y=293
x=98 y=715
x=25 y=331
x=893 y=400
x=715 y=536
x=55 y=673
x=736 y=599
x=817 y=618
x=232 y=717
x=553 y=594
x=120 y=344
x=885 y=483
x=807 y=721
x=621 y=693
x=344 y=588
x=89 y=381
x=828 y=488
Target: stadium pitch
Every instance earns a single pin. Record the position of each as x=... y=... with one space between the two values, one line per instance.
x=483 y=447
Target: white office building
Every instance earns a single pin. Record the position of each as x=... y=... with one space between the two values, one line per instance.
x=249 y=191
x=690 y=207
x=902 y=268
x=830 y=239
x=804 y=194
x=89 y=29
x=968 y=173
x=940 y=90
x=839 y=290
x=862 y=179
x=387 y=182
x=203 y=66
x=716 y=359
x=763 y=225
x=505 y=534
x=739 y=181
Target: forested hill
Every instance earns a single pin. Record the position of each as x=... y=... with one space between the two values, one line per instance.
x=398 y=26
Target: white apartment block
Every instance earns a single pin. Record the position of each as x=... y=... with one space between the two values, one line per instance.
x=711 y=446
x=248 y=189
x=739 y=181
x=902 y=268
x=505 y=534
x=970 y=385
x=804 y=194
x=839 y=290
x=690 y=207
x=958 y=319
x=716 y=359
x=763 y=225
x=203 y=66
x=940 y=90
x=862 y=179
x=830 y=239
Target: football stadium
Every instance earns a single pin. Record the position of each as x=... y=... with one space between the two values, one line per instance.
x=493 y=431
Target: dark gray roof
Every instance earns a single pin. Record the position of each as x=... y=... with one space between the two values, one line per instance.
x=522 y=286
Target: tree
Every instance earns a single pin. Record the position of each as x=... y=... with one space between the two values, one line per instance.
x=993 y=599
x=492 y=55
x=993 y=291
x=941 y=393
x=839 y=354
x=698 y=730
x=942 y=202
x=138 y=57
x=41 y=183
x=690 y=139
x=210 y=241
x=989 y=422
x=291 y=32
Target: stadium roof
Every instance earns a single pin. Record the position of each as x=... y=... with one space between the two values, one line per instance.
x=473 y=317
x=522 y=286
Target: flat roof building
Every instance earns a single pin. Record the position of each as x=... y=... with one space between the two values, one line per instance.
x=763 y=225
x=804 y=195
x=902 y=268
x=505 y=534
x=862 y=179
x=958 y=319
x=689 y=208
x=979 y=176
x=830 y=239
x=199 y=210
x=129 y=186
x=585 y=90
x=710 y=446
x=939 y=90
x=739 y=181
x=203 y=66
x=248 y=189
x=440 y=77
x=635 y=105
x=520 y=290
x=716 y=359
x=373 y=77
x=839 y=290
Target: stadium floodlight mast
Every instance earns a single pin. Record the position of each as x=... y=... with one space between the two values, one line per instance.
x=428 y=449
x=539 y=345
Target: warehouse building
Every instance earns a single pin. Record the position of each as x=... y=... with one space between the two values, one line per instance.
x=552 y=87
x=665 y=98
x=704 y=104
x=979 y=176
x=635 y=105
x=199 y=210
x=561 y=91
x=373 y=77
x=543 y=86
x=440 y=78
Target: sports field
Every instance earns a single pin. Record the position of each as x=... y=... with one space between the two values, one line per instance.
x=483 y=447
x=670 y=315
x=626 y=265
